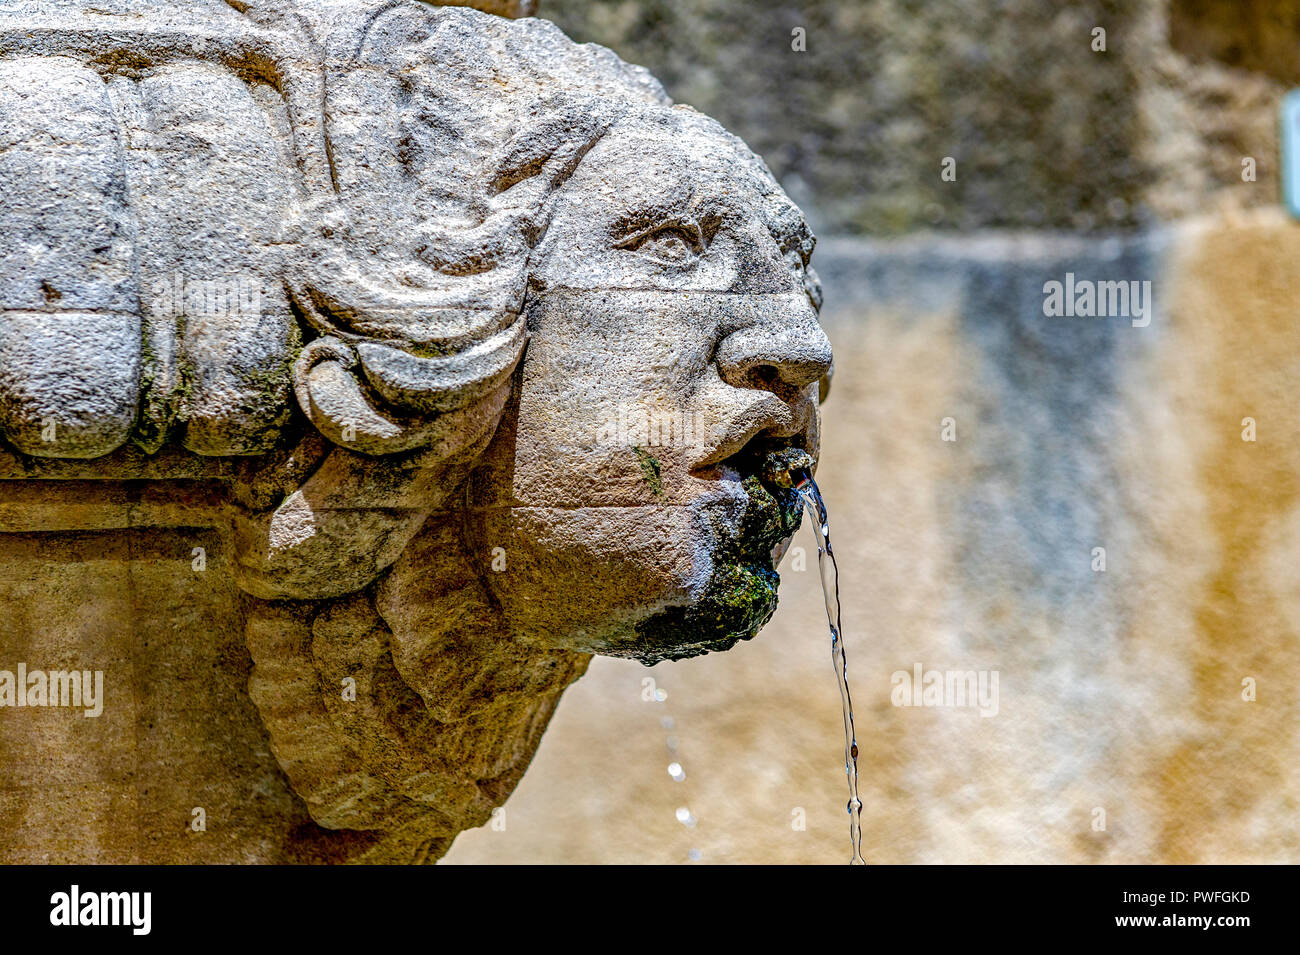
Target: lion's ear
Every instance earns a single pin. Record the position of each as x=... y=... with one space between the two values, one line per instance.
x=513 y=197
x=545 y=154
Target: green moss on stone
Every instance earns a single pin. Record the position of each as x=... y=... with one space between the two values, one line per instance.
x=741 y=594
x=650 y=467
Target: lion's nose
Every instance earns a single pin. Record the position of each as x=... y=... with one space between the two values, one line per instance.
x=775 y=356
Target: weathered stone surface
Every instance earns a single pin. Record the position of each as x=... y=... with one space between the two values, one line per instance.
x=340 y=339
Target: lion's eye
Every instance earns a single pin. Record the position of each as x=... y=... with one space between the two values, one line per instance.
x=671 y=244
x=675 y=245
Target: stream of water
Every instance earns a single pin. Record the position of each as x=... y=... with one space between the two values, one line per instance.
x=830 y=577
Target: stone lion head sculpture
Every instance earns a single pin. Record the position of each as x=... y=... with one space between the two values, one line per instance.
x=524 y=332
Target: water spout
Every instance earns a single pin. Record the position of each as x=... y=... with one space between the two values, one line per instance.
x=802 y=481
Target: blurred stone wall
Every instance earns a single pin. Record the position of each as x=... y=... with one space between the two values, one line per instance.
x=1047 y=132
x=1147 y=711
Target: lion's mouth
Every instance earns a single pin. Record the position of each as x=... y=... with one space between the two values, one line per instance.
x=779 y=464
x=741 y=593
x=778 y=460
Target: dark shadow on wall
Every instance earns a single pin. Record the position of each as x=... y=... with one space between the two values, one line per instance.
x=1258 y=35
x=1044 y=128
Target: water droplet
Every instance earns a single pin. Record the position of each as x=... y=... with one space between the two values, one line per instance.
x=661 y=694
x=675 y=770
x=695 y=855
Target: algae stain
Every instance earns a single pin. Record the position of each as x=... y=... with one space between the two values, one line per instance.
x=650 y=468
